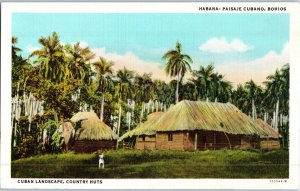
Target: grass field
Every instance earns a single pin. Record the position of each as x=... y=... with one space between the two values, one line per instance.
x=156 y=164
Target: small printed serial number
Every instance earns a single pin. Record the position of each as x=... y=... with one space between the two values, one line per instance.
x=278 y=181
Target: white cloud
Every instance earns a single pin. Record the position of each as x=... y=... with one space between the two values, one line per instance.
x=132 y=62
x=221 y=45
x=257 y=69
x=29 y=49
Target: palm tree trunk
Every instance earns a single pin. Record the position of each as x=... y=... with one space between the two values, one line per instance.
x=141 y=117
x=253 y=109
x=15 y=135
x=177 y=87
x=102 y=108
x=274 y=120
x=119 y=122
x=129 y=121
x=276 y=114
x=207 y=93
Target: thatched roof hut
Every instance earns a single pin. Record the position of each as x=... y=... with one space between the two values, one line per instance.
x=146 y=128
x=92 y=128
x=194 y=125
x=93 y=134
x=271 y=140
x=207 y=116
x=271 y=133
x=145 y=134
x=84 y=116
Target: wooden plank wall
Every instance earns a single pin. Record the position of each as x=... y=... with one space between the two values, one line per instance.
x=206 y=140
x=148 y=144
x=250 y=142
x=189 y=141
x=269 y=144
x=162 y=142
x=211 y=140
x=88 y=146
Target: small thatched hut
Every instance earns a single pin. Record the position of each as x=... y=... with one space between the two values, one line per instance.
x=92 y=134
x=271 y=140
x=197 y=125
x=145 y=133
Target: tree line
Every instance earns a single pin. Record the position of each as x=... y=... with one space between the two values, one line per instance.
x=65 y=79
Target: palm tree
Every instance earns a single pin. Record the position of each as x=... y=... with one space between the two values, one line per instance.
x=285 y=76
x=189 y=92
x=104 y=72
x=144 y=88
x=124 y=88
x=163 y=92
x=204 y=78
x=238 y=98
x=277 y=99
x=20 y=67
x=277 y=90
x=78 y=59
x=15 y=49
x=274 y=86
x=225 y=90
x=216 y=79
x=254 y=93
x=51 y=58
x=177 y=65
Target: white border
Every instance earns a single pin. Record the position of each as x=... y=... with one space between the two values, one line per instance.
x=8 y=8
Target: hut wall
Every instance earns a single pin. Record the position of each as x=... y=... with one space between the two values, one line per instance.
x=88 y=146
x=235 y=141
x=211 y=140
x=189 y=141
x=207 y=140
x=269 y=144
x=246 y=143
x=147 y=144
x=162 y=142
x=227 y=141
x=250 y=142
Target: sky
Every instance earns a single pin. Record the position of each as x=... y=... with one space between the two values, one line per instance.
x=241 y=46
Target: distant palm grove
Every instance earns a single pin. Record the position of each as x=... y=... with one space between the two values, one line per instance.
x=58 y=80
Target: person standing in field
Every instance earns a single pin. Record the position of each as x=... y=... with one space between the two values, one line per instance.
x=101 y=160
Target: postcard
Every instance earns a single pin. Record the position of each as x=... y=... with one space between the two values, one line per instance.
x=150 y=95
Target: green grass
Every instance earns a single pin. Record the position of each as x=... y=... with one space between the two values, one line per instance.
x=156 y=164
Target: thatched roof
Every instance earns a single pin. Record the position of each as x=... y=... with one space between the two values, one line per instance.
x=146 y=128
x=92 y=128
x=84 y=116
x=209 y=116
x=272 y=133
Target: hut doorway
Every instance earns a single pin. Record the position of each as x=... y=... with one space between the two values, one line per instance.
x=202 y=142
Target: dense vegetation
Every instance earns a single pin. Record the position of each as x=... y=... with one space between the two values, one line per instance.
x=156 y=164
x=65 y=79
